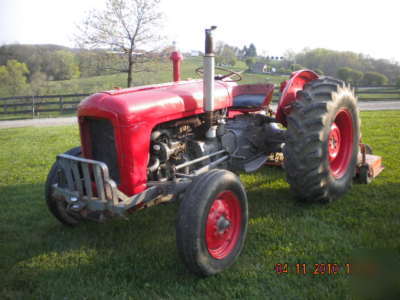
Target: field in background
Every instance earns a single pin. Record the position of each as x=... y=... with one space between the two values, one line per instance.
x=158 y=73
x=137 y=258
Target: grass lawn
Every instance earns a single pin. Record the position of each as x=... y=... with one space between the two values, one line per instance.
x=137 y=258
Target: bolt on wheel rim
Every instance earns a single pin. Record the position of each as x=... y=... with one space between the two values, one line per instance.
x=223 y=226
x=340 y=143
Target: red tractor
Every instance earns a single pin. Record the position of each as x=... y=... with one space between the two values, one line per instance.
x=187 y=140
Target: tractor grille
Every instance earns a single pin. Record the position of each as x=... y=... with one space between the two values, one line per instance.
x=103 y=145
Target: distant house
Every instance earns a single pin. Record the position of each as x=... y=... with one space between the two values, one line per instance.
x=194 y=53
x=136 y=53
x=259 y=67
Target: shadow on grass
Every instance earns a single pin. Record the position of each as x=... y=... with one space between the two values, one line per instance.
x=139 y=254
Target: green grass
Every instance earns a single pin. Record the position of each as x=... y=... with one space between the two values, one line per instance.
x=378 y=97
x=137 y=258
x=364 y=95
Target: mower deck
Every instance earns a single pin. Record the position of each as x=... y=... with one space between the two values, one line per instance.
x=374 y=163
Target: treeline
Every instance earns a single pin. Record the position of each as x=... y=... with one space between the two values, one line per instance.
x=56 y=62
x=28 y=69
x=227 y=55
x=62 y=63
x=350 y=66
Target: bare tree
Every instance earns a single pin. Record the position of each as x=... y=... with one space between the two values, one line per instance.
x=124 y=26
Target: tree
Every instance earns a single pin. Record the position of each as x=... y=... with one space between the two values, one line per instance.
x=61 y=65
x=398 y=81
x=13 y=77
x=251 y=51
x=344 y=73
x=39 y=83
x=225 y=55
x=349 y=75
x=124 y=27
x=356 y=76
x=296 y=67
x=243 y=52
x=250 y=61
x=375 y=78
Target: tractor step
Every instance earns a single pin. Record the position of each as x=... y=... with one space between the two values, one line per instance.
x=255 y=164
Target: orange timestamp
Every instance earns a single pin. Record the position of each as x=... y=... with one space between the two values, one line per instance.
x=318 y=269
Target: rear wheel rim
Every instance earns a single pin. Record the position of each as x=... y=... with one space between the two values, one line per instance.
x=340 y=143
x=223 y=226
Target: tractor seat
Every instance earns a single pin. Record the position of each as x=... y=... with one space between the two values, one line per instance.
x=251 y=97
x=248 y=100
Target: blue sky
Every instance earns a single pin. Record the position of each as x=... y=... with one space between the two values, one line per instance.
x=369 y=27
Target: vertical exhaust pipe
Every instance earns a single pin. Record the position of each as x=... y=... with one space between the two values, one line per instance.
x=209 y=72
x=208 y=81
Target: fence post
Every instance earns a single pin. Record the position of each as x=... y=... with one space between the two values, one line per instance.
x=33 y=106
x=61 y=104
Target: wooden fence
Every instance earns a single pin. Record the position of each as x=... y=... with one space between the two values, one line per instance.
x=60 y=104
x=39 y=104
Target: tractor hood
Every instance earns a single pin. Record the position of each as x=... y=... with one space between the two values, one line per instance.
x=155 y=103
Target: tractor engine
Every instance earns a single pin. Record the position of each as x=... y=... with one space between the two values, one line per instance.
x=246 y=138
x=250 y=138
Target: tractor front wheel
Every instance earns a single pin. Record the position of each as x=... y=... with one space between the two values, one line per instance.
x=59 y=208
x=212 y=222
x=322 y=141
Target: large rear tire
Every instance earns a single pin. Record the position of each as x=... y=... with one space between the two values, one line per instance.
x=57 y=207
x=212 y=222
x=322 y=141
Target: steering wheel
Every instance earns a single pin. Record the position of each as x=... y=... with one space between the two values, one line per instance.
x=236 y=77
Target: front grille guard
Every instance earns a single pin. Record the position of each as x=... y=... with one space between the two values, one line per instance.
x=88 y=186
x=79 y=173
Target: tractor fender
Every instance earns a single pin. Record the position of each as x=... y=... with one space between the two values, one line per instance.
x=289 y=89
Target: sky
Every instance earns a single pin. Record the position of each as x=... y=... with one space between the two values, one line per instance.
x=368 y=27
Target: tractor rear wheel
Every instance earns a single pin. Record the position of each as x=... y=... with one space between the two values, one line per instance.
x=322 y=141
x=212 y=222
x=59 y=208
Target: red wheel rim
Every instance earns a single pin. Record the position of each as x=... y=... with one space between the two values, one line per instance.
x=340 y=143
x=223 y=226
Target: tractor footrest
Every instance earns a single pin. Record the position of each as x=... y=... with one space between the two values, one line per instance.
x=255 y=164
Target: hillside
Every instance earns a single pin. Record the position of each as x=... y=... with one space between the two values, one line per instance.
x=158 y=73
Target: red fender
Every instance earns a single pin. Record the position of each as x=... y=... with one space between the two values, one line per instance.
x=289 y=89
